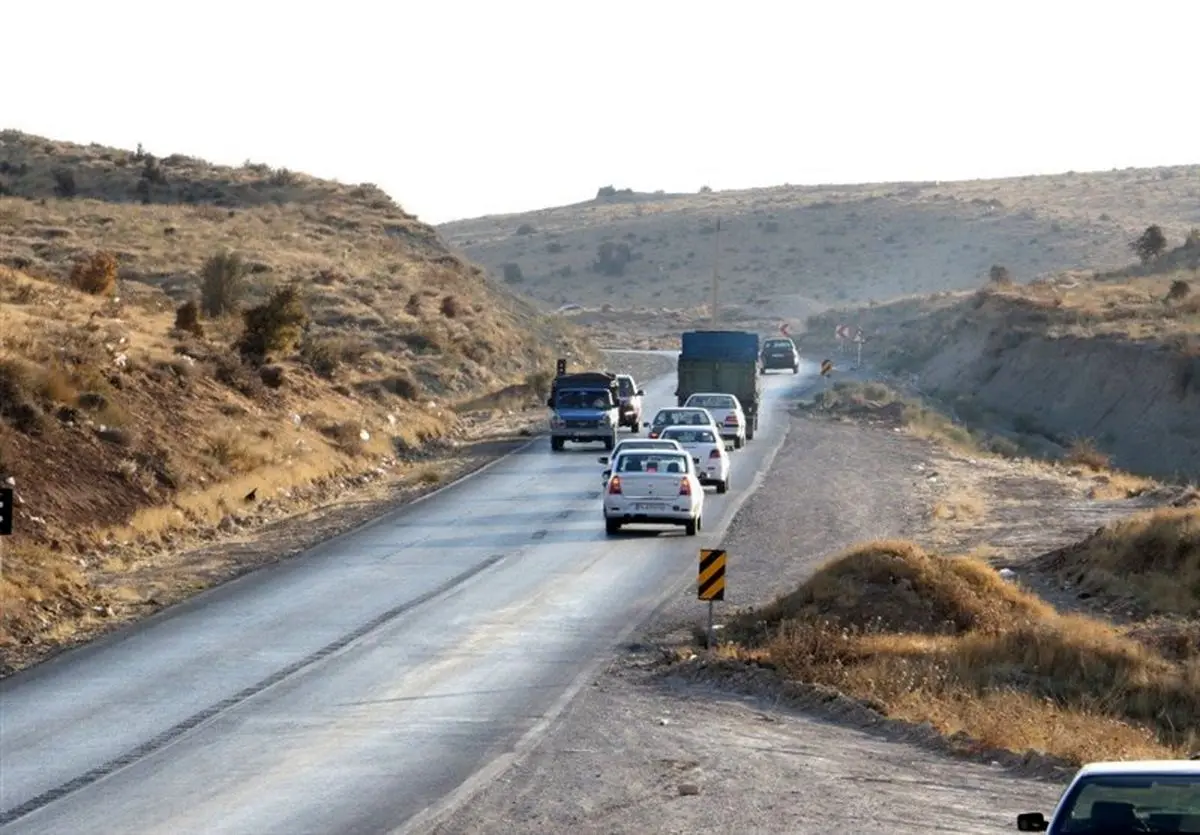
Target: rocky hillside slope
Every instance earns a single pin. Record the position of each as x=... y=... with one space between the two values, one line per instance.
x=791 y=251
x=179 y=340
x=1104 y=361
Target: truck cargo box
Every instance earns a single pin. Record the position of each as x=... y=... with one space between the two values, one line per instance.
x=729 y=346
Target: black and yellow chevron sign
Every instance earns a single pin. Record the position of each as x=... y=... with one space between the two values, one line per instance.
x=712 y=574
x=826 y=367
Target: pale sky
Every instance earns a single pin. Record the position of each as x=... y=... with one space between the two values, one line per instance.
x=459 y=108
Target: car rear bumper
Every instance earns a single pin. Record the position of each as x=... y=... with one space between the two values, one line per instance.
x=780 y=362
x=676 y=513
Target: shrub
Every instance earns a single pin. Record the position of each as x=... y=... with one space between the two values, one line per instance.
x=1150 y=244
x=96 y=274
x=512 y=273
x=1083 y=452
x=451 y=307
x=187 y=318
x=274 y=327
x=526 y=229
x=272 y=376
x=1179 y=290
x=64 y=182
x=223 y=283
x=1000 y=276
x=611 y=258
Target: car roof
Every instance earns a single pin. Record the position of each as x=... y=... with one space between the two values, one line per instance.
x=1139 y=767
x=711 y=394
x=685 y=428
x=648 y=443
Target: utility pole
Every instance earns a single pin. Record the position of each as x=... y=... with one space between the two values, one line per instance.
x=716 y=260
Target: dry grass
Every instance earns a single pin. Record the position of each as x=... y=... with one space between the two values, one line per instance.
x=948 y=641
x=1153 y=557
x=123 y=418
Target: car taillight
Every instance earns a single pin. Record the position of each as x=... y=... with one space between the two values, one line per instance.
x=653 y=434
x=614 y=485
x=716 y=453
x=685 y=487
x=731 y=419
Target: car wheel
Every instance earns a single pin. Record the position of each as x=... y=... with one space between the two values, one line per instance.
x=722 y=486
x=692 y=526
x=636 y=426
x=609 y=443
x=556 y=444
x=750 y=430
x=612 y=527
x=795 y=369
x=738 y=442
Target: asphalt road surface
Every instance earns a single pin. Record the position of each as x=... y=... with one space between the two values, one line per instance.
x=366 y=684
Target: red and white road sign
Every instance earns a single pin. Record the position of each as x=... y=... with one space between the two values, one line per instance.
x=843 y=331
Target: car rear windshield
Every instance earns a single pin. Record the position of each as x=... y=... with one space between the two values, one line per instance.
x=1134 y=803
x=681 y=417
x=625 y=386
x=711 y=401
x=778 y=343
x=690 y=436
x=651 y=462
x=577 y=399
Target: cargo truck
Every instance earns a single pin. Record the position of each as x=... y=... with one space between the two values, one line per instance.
x=584 y=409
x=725 y=362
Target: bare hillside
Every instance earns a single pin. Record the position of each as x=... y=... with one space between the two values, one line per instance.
x=1099 y=365
x=182 y=343
x=790 y=251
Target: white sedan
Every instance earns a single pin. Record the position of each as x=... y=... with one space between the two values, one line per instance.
x=635 y=443
x=653 y=487
x=726 y=410
x=679 y=416
x=708 y=451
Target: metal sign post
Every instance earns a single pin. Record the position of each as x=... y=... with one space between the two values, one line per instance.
x=711 y=584
x=859 y=339
x=7 y=510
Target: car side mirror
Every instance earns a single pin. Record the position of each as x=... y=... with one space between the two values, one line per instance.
x=697 y=460
x=603 y=459
x=641 y=393
x=646 y=425
x=1032 y=822
x=606 y=474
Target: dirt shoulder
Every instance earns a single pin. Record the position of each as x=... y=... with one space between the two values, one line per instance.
x=651 y=727
x=127 y=578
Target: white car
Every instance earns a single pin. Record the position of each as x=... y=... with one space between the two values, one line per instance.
x=653 y=487
x=726 y=411
x=1129 y=796
x=708 y=451
x=635 y=443
x=679 y=416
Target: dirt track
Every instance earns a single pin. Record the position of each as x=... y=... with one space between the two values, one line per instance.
x=626 y=751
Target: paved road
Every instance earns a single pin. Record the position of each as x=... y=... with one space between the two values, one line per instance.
x=358 y=685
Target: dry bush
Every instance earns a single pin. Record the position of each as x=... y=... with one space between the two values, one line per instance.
x=187 y=319
x=999 y=276
x=223 y=283
x=451 y=307
x=18 y=397
x=275 y=327
x=1084 y=453
x=230 y=452
x=347 y=436
x=95 y=274
x=1179 y=290
x=1153 y=556
x=327 y=353
x=948 y=641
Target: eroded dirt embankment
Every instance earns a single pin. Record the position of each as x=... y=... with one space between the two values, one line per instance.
x=1047 y=381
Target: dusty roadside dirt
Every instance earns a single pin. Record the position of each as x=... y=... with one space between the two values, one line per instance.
x=628 y=754
x=135 y=580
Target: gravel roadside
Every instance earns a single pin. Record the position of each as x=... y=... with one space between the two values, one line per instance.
x=635 y=755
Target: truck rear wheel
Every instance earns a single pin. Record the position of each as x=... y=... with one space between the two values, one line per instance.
x=750 y=428
x=556 y=444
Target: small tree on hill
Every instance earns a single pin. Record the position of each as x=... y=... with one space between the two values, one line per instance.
x=275 y=327
x=1150 y=244
x=223 y=283
x=1000 y=276
x=96 y=274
